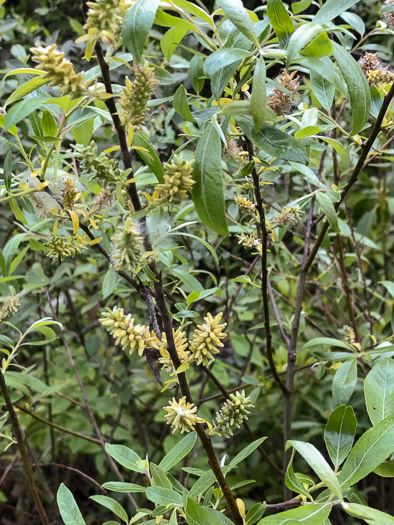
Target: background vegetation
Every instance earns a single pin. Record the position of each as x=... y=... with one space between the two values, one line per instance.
x=301 y=269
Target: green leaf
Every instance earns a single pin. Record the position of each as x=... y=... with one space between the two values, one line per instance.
x=190 y=282
x=368 y=514
x=208 y=192
x=255 y=513
x=292 y=481
x=258 y=99
x=355 y=21
x=249 y=449
x=373 y=447
x=163 y=496
x=310 y=514
x=196 y=72
x=194 y=10
x=159 y=477
x=379 y=391
x=152 y=160
x=181 y=104
x=385 y=469
x=318 y=464
x=197 y=515
x=325 y=68
x=178 y=452
x=121 y=486
x=112 y=505
x=68 y=508
x=306 y=132
x=235 y=11
x=320 y=46
x=17 y=211
x=125 y=456
x=328 y=208
x=343 y=154
x=344 y=382
x=389 y=285
x=323 y=90
x=300 y=38
x=274 y=141
x=298 y=7
x=137 y=24
x=202 y=484
x=109 y=282
x=171 y=39
x=360 y=98
x=48 y=123
x=7 y=170
x=25 y=89
x=222 y=58
x=22 y=110
x=331 y=9
x=339 y=433
x=308 y=174
x=280 y=20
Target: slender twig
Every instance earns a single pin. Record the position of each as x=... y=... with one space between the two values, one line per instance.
x=346 y=289
x=264 y=268
x=23 y=452
x=277 y=315
x=79 y=472
x=51 y=424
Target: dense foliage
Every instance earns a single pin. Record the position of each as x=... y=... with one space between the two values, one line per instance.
x=196 y=287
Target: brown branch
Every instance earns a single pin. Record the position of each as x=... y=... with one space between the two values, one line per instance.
x=57 y=427
x=23 y=452
x=264 y=268
x=79 y=472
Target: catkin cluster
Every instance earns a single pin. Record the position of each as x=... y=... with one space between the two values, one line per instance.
x=135 y=96
x=232 y=414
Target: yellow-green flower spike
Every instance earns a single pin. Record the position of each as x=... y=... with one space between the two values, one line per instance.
x=10 y=307
x=130 y=336
x=128 y=247
x=181 y=415
x=178 y=180
x=61 y=247
x=232 y=414
x=181 y=345
x=135 y=96
x=60 y=72
x=207 y=339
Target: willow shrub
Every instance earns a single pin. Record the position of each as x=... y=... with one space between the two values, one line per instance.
x=194 y=193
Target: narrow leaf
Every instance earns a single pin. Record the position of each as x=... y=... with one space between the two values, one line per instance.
x=238 y=15
x=68 y=508
x=373 y=447
x=280 y=20
x=331 y=9
x=328 y=208
x=178 y=452
x=379 y=391
x=313 y=514
x=258 y=100
x=339 y=433
x=208 y=192
x=137 y=24
x=360 y=98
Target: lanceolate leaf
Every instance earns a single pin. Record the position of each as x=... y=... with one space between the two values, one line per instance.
x=331 y=9
x=329 y=210
x=360 y=98
x=339 y=433
x=150 y=158
x=300 y=38
x=368 y=514
x=68 y=508
x=373 y=447
x=259 y=94
x=317 y=463
x=313 y=514
x=238 y=15
x=208 y=192
x=379 y=391
x=344 y=382
x=137 y=23
x=179 y=451
x=222 y=58
x=280 y=20
x=181 y=104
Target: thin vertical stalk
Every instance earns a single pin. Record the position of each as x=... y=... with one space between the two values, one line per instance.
x=23 y=452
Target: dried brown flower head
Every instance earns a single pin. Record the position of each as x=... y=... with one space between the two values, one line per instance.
x=281 y=102
x=388 y=17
